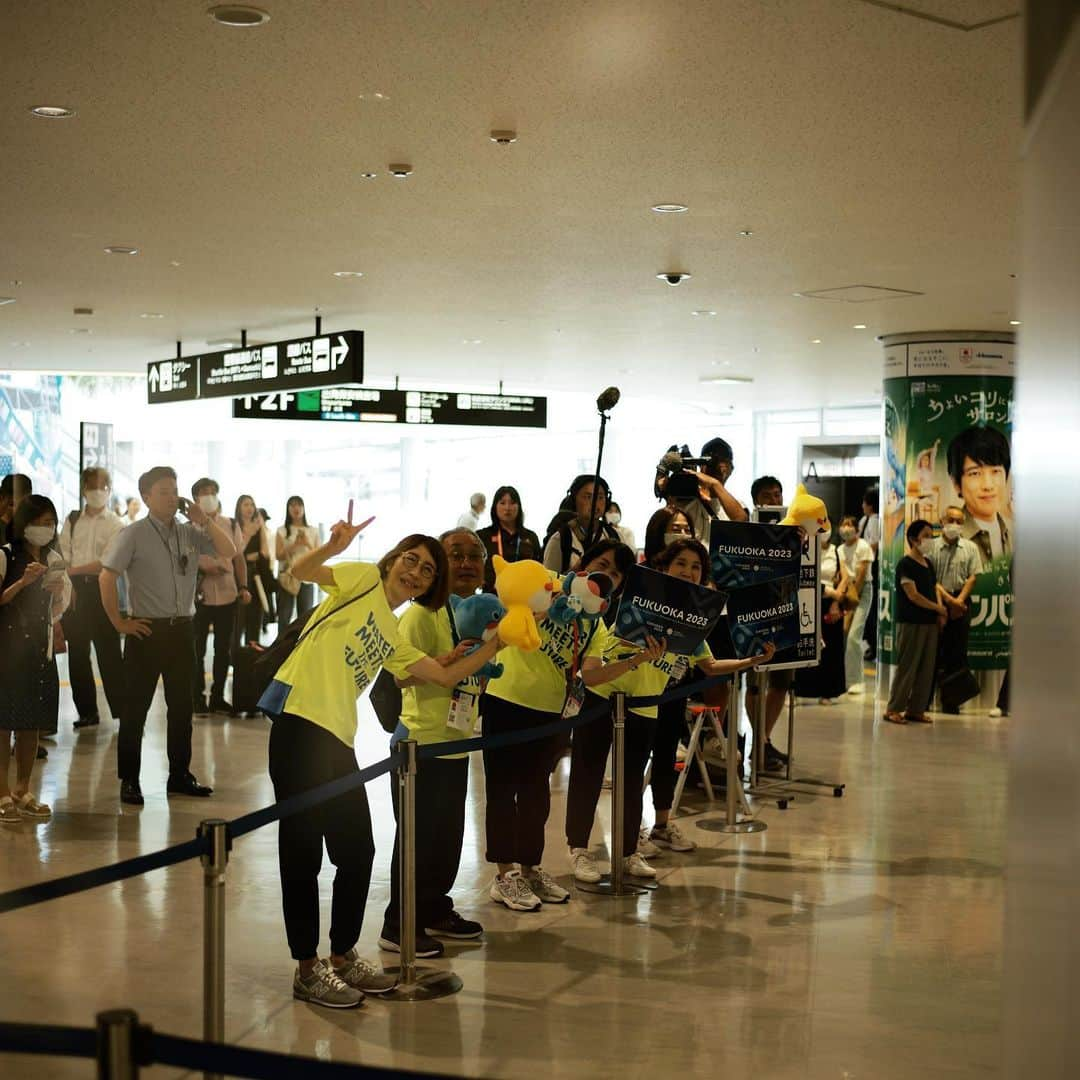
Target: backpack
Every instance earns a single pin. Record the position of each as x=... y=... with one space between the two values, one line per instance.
x=566 y=541
x=269 y=662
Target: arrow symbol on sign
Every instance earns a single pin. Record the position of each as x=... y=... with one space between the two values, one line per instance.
x=340 y=351
x=154 y=378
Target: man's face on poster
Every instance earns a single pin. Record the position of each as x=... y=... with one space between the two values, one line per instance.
x=984 y=489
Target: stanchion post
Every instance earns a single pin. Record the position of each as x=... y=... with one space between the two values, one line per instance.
x=790 y=732
x=116 y=1057
x=413 y=984
x=214 y=861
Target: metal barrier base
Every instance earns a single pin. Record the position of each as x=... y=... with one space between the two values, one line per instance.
x=720 y=825
x=606 y=887
x=428 y=984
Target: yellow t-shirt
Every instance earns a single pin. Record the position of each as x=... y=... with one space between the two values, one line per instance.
x=537 y=679
x=326 y=673
x=424 y=708
x=649 y=679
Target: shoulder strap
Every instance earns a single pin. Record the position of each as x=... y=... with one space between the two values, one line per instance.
x=453 y=625
x=73 y=517
x=566 y=545
x=341 y=607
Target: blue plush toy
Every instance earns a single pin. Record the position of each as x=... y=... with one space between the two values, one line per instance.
x=477 y=617
x=584 y=597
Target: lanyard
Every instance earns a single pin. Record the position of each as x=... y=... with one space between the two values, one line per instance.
x=517 y=544
x=181 y=560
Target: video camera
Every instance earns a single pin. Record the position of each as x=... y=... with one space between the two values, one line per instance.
x=678 y=466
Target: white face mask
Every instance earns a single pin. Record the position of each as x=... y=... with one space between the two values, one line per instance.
x=925 y=547
x=96 y=499
x=614 y=518
x=951 y=532
x=670 y=538
x=39 y=535
x=208 y=503
x=847 y=533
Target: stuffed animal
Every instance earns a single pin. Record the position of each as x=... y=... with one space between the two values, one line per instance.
x=808 y=512
x=477 y=618
x=583 y=597
x=526 y=590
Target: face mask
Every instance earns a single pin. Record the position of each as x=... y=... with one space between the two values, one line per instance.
x=614 y=519
x=847 y=533
x=925 y=547
x=38 y=535
x=670 y=538
x=96 y=499
x=208 y=503
x=951 y=532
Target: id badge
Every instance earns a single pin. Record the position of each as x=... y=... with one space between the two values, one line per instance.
x=678 y=669
x=460 y=716
x=575 y=697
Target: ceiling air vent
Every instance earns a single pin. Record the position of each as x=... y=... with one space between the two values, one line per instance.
x=858 y=294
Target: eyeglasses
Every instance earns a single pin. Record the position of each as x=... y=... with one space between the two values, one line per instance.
x=472 y=555
x=424 y=569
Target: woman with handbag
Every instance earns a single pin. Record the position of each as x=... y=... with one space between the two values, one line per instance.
x=293 y=539
x=827 y=680
x=312 y=703
x=34 y=593
x=857 y=557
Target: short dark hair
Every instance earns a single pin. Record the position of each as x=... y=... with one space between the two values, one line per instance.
x=849 y=517
x=7 y=485
x=579 y=482
x=658 y=526
x=465 y=530
x=624 y=556
x=93 y=472
x=202 y=483
x=872 y=498
x=983 y=445
x=507 y=489
x=718 y=448
x=761 y=483
x=439 y=590
x=917 y=527
x=676 y=548
x=303 y=517
x=152 y=476
x=30 y=509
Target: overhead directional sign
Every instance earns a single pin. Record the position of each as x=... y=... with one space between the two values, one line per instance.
x=322 y=360
x=369 y=405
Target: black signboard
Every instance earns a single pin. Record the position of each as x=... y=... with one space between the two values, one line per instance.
x=667 y=607
x=96 y=447
x=369 y=405
x=322 y=360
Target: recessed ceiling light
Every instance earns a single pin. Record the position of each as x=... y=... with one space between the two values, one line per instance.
x=81 y=330
x=174 y=262
x=670 y=208
x=121 y=249
x=746 y=232
x=151 y=315
x=53 y=112
x=241 y=15
x=368 y=175
x=374 y=96
x=1014 y=322
x=472 y=341
x=503 y=137
x=703 y=314
x=20 y=344
x=816 y=341
x=728 y=379
x=6 y=300
x=859 y=326
x=348 y=273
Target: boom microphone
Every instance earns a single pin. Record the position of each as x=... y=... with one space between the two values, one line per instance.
x=608 y=399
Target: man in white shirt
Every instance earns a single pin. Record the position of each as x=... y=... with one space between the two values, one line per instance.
x=471 y=519
x=83 y=540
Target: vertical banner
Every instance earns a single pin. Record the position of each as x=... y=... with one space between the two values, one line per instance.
x=948 y=433
x=770 y=573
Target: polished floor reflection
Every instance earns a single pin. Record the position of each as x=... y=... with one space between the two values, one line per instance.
x=857 y=937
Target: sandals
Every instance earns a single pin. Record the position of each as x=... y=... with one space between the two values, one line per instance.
x=894 y=717
x=30 y=808
x=917 y=718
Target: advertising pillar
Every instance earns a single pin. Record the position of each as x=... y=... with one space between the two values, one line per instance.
x=948 y=416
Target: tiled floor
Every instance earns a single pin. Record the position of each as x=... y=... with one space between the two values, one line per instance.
x=856 y=937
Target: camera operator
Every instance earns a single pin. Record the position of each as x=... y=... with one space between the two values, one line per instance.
x=698 y=486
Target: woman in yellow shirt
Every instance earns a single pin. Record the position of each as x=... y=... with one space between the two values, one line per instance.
x=312 y=702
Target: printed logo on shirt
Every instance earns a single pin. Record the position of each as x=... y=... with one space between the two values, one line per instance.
x=371 y=651
x=559 y=646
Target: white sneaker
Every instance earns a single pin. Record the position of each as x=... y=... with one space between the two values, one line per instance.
x=646 y=847
x=545 y=887
x=583 y=864
x=856 y=690
x=513 y=890
x=995 y=712
x=636 y=866
x=671 y=836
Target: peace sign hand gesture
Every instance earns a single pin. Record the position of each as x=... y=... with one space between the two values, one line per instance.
x=343 y=533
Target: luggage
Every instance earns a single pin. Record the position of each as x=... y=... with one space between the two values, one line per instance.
x=957 y=688
x=246 y=689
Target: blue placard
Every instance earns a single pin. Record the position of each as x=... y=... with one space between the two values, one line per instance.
x=667 y=607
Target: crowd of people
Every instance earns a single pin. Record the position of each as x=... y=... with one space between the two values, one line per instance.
x=145 y=594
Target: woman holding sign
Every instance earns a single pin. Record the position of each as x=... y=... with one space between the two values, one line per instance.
x=638 y=674
x=312 y=702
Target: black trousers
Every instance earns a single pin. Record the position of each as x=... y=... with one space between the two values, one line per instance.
x=870 y=627
x=290 y=607
x=85 y=624
x=670 y=728
x=249 y=620
x=222 y=618
x=165 y=654
x=441 y=786
x=588 y=758
x=516 y=779
x=952 y=646
x=303 y=756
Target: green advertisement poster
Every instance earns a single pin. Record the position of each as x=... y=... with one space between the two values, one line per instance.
x=948 y=432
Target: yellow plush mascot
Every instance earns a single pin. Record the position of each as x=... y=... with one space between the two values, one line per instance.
x=526 y=590
x=809 y=512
